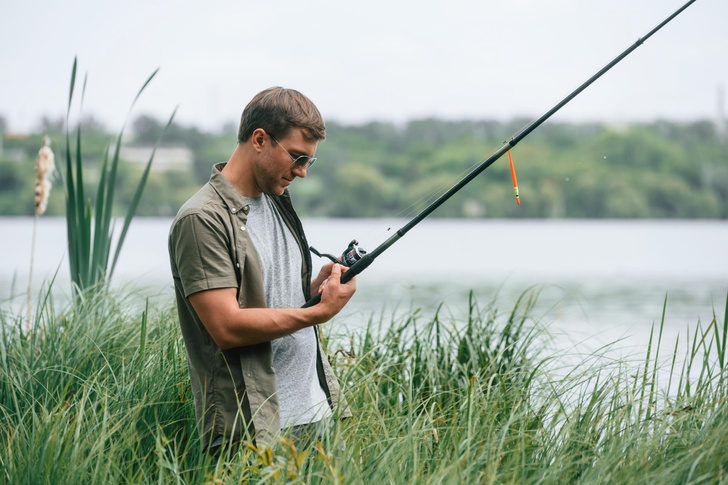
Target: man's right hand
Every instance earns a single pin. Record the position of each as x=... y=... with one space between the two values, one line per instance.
x=334 y=295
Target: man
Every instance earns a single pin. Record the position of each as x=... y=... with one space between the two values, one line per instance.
x=242 y=271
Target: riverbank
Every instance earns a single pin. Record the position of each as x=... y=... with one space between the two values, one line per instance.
x=99 y=393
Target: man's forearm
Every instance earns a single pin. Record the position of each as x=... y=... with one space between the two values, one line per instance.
x=231 y=326
x=250 y=326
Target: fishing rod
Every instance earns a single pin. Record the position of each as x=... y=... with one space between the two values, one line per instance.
x=357 y=259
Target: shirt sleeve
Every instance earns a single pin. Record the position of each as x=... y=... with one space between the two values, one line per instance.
x=202 y=252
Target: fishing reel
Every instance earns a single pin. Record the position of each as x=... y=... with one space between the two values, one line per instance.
x=351 y=255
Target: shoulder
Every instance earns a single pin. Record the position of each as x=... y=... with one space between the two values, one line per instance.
x=205 y=209
x=204 y=201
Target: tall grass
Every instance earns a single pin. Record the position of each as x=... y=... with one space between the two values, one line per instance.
x=89 y=227
x=99 y=393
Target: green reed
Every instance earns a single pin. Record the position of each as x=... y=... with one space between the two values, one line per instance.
x=90 y=226
x=99 y=393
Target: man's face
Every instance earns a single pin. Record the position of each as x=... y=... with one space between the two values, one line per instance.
x=275 y=170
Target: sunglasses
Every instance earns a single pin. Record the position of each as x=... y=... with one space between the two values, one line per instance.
x=304 y=161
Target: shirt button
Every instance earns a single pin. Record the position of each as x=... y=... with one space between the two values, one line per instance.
x=246 y=209
x=233 y=210
x=237 y=264
x=242 y=228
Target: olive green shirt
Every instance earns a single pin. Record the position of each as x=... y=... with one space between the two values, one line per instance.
x=234 y=390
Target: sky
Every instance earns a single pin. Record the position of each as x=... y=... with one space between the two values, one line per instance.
x=362 y=61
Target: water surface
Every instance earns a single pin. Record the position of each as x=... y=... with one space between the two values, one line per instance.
x=599 y=280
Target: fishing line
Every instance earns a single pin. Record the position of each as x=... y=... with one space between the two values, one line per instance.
x=364 y=258
x=435 y=192
x=380 y=233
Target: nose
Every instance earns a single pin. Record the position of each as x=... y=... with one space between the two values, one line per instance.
x=299 y=171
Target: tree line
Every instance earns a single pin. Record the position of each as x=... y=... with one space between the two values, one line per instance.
x=660 y=169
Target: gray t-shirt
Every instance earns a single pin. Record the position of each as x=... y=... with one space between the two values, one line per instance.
x=301 y=399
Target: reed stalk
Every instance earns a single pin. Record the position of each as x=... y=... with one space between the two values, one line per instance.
x=90 y=228
x=44 y=165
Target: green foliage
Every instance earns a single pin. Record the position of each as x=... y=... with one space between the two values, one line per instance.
x=89 y=228
x=16 y=179
x=435 y=400
x=651 y=170
x=583 y=171
x=80 y=400
x=164 y=194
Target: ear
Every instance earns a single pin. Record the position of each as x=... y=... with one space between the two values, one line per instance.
x=258 y=139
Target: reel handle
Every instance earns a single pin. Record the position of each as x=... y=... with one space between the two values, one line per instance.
x=324 y=255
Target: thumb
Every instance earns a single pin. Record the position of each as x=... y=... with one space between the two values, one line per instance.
x=336 y=272
x=334 y=278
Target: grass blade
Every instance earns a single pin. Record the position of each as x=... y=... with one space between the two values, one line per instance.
x=71 y=216
x=100 y=252
x=722 y=344
x=138 y=195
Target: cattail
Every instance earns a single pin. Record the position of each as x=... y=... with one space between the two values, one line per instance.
x=43 y=165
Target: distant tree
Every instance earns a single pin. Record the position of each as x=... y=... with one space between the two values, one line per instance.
x=90 y=123
x=146 y=129
x=656 y=169
x=230 y=128
x=625 y=200
x=3 y=124
x=426 y=190
x=16 y=188
x=638 y=149
x=51 y=125
x=669 y=197
x=551 y=198
x=361 y=191
x=11 y=177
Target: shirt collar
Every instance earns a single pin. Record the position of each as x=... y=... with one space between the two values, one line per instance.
x=229 y=195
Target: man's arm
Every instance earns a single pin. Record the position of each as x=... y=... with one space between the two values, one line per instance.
x=231 y=326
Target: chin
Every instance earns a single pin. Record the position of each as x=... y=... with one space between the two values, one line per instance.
x=277 y=191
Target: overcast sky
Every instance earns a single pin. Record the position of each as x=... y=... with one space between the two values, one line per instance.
x=361 y=61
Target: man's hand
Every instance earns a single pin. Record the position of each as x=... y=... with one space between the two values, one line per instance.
x=323 y=274
x=334 y=295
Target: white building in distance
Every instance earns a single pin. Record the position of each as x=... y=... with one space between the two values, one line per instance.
x=165 y=158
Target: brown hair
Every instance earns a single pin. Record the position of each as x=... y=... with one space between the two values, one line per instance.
x=277 y=110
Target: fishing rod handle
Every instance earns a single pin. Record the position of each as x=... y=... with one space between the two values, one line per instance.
x=354 y=270
x=313 y=301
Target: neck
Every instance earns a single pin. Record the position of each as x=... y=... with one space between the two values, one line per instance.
x=239 y=171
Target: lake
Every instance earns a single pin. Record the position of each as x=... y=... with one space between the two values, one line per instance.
x=600 y=280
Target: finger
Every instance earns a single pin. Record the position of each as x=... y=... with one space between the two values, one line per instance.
x=336 y=270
